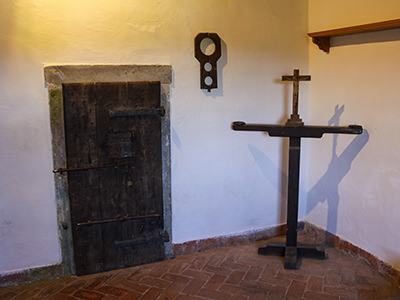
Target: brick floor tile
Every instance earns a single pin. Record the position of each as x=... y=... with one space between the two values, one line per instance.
x=348 y=275
x=48 y=291
x=366 y=295
x=296 y=289
x=160 y=270
x=172 y=291
x=292 y=274
x=235 y=277
x=277 y=293
x=185 y=258
x=119 y=276
x=214 y=282
x=132 y=296
x=256 y=285
x=197 y=274
x=375 y=279
x=138 y=273
x=198 y=263
x=319 y=296
x=109 y=297
x=210 y=294
x=332 y=279
x=315 y=267
x=271 y=270
x=239 y=297
x=157 y=282
x=60 y=297
x=8 y=295
x=232 y=256
x=315 y=284
x=234 y=266
x=95 y=282
x=88 y=295
x=176 y=278
x=134 y=286
x=215 y=260
x=179 y=267
x=253 y=261
x=364 y=270
x=151 y=294
x=187 y=297
x=386 y=292
x=73 y=287
x=253 y=273
x=285 y=282
x=111 y=290
x=26 y=294
x=258 y=296
x=67 y=280
x=218 y=270
x=235 y=290
x=340 y=291
x=194 y=286
x=359 y=286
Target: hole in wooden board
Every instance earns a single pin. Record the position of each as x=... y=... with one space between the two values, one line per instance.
x=208 y=67
x=207 y=46
x=208 y=80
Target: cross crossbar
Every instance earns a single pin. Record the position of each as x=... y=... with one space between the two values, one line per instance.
x=296 y=77
x=295 y=119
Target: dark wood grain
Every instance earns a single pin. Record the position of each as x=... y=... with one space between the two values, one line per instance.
x=131 y=188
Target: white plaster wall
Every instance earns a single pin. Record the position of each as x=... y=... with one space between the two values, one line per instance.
x=223 y=182
x=354 y=191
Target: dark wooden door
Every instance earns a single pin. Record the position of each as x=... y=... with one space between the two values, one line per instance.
x=113 y=140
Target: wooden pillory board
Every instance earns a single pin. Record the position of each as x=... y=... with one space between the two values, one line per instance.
x=294 y=129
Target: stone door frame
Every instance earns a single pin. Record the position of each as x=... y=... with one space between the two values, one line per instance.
x=55 y=76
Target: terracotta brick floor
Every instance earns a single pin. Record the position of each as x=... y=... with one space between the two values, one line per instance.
x=235 y=273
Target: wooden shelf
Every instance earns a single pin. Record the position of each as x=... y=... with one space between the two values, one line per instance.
x=323 y=38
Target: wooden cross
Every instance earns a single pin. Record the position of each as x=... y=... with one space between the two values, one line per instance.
x=295 y=119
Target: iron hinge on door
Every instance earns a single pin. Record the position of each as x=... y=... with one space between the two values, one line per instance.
x=118 y=219
x=163 y=236
x=61 y=170
x=138 y=112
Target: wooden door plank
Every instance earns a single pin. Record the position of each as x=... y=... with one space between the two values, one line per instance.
x=80 y=123
x=123 y=190
x=148 y=171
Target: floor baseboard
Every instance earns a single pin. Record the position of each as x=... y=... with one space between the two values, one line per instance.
x=228 y=241
x=31 y=275
x=375 y=263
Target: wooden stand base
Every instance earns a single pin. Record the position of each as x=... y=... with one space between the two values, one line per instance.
x=292 y=255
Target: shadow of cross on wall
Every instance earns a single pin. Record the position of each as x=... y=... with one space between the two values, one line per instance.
x=327 y=186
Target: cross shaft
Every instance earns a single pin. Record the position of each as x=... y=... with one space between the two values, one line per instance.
x=295 y=119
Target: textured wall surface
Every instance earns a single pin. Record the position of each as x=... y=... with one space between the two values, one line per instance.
x=223 y=182
x=354 y=182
